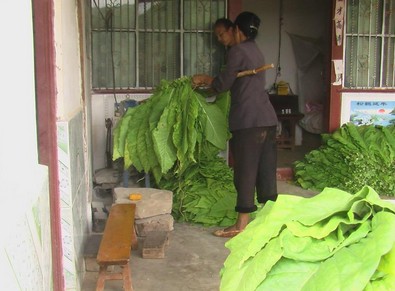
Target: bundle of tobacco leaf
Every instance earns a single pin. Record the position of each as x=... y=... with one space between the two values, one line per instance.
x=176 y=136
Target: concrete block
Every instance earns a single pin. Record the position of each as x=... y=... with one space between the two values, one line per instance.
x=106 y=186
x=107 y=176
x=103 y=195
x=153 y=202
x=164 y=222
x=100 y=215
x=99 y=221
x=154 y=245
x=97 y=206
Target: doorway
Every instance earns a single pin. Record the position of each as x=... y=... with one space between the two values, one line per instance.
x=296 y=37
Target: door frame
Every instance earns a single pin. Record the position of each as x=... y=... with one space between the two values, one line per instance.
x=46 y=99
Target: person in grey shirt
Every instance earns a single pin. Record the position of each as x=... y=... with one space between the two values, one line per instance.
x=252 y=122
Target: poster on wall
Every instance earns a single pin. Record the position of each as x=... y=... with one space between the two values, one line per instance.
x=368 y=108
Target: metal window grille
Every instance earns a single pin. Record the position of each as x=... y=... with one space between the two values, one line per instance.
x=369 y=44
x=137 y=43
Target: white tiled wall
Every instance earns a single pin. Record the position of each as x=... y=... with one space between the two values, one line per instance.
x=74 y=198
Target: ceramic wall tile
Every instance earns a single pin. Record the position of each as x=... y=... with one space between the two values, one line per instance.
x=73 y=179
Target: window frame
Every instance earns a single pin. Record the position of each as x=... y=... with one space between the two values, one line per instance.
x=136 y=31
x=383 y=36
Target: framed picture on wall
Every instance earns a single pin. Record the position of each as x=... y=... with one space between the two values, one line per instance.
x=368 y=108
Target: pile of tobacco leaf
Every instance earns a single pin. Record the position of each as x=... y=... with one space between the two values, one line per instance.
x=332 y=241
x=176 y=136
x=350 y=158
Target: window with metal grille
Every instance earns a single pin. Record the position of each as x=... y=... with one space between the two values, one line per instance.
x=369 y=44
x=137 y=43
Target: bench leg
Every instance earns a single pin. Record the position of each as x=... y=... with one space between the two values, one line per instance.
x=127 y=278
x=101 y=279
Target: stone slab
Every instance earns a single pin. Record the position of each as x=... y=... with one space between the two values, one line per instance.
x=153 y=202
x=107 y=176
x=164 y=222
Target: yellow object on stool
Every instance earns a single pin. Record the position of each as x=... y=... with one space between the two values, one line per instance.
x=135 y=196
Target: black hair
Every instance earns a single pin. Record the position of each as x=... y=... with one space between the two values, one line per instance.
x=248 y=23
x=225 y=22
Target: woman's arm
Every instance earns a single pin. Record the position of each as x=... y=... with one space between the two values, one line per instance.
x=225 y=79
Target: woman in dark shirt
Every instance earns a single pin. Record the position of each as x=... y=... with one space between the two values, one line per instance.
x=252 y=122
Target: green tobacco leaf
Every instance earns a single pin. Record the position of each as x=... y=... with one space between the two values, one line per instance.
x=179 y=137
x=131 y=156
x=385 y=274
x=223 y=204
x=355 y=136
x=387 y=262
x=143 y=151
x=389 y=133
x=189 y=136
x=351 y=268
x=163 y=143
x=322 y=228
x=193 y=111
x=120 y=133
x=386 y=283
x=251 y=274
x=288 y=275
x=216 y=130
x=309 y=249
x=332 y=241
x=248 y=243
x=222 y=100
x=350 y=158
x=176 y=136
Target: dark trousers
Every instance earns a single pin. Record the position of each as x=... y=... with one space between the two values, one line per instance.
x=254 y=152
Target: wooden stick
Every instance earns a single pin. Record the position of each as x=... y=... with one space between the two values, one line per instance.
x=254 y=71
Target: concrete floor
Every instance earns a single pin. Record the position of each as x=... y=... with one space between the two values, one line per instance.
x=193 y=259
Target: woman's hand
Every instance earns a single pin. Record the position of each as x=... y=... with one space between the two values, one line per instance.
x=202 y=80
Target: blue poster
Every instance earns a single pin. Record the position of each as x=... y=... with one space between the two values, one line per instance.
x=372 y=112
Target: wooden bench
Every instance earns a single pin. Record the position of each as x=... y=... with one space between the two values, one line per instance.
x=119 y=238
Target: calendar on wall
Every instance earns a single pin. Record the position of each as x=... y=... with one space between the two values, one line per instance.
x=368 y=108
